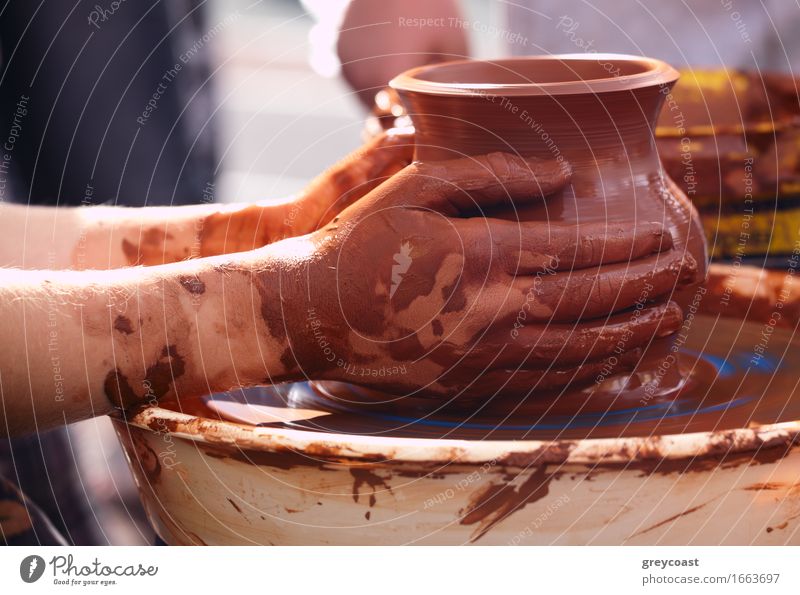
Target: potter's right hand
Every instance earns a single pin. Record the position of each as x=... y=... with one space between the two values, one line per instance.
x=412 y=289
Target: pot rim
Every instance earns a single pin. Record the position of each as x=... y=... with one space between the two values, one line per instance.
x=657 y=72
x=434 y=451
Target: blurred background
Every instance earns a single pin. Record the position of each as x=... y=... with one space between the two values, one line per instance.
x=286 y=113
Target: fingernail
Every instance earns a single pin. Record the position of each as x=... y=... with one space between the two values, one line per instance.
x=631 y=358
x=665 y=237
x=670 y=320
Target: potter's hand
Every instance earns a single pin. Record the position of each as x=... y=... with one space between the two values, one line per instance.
x=113 y=237
x=335 y=189
x=355 y=176
x=411 y=289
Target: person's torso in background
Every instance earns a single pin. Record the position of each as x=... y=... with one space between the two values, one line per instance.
x=107 y=104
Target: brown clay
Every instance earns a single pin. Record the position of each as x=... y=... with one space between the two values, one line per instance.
x=595 y=112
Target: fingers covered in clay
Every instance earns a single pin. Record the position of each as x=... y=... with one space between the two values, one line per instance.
x=540 y=346
x=537 y=346
x=526 y=248
x=472 y=184
x=522 y=383
x=594 y=292
x=356 y=175
x=376 y=161
x=409 y=276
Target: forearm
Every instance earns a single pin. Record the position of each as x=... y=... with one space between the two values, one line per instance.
x=110 y=237
x=76 y=344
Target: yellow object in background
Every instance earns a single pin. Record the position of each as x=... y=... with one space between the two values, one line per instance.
x=743 y=234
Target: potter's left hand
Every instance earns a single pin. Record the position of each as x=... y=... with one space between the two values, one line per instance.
x=253 y=226
x=113 y=237
x=237 y=228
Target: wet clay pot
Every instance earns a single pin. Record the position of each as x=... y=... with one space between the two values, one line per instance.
x=596 y=111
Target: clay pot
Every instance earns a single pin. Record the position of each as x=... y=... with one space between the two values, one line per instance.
x=596 y=111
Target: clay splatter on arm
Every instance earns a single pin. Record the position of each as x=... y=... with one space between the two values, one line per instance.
x=329 y=193
x=101 y=237
x=212 y=230
x=96 y=340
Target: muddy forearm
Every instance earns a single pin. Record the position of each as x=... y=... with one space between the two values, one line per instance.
x=113 y=237
x=55 y=238
x=237 y=229
x=117 y=237
x=79 y=343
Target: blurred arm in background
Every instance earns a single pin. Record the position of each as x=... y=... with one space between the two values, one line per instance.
x=379 y=39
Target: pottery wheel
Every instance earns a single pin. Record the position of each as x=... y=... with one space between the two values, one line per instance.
x=725 y=386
